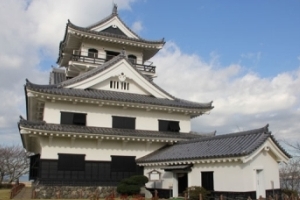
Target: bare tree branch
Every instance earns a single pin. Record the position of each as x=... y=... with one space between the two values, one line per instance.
x=13 y=163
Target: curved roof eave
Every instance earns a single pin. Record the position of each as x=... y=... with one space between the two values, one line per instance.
x=237 y=145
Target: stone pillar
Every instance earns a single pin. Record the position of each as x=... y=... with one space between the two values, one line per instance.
x=175 y=185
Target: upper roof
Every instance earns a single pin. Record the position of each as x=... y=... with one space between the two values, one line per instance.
x=63 y=89
x=229 y=145
x=105 y=29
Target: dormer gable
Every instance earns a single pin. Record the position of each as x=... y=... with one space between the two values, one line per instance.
x=118 y=75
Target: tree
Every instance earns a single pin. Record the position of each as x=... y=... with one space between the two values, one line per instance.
x=290 y=175
x=14 y=163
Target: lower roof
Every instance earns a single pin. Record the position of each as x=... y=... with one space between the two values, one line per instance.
x=221 y=146
x=76 y=129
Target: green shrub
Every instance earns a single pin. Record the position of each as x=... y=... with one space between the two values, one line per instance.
x=194 y=192
x=132 y=185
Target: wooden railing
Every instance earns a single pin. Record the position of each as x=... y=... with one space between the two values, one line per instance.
x=93 y=59
x=16 y=189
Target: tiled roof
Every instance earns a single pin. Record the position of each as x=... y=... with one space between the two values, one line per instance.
x=43 y=126
x=116 y=96
x=113 y=14
x=112 y=95
x=228 y=145
x=139 y=39
x=57 y=76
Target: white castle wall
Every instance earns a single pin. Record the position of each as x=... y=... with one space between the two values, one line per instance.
x=228 y=176
x=93 y=149
x=102 y=116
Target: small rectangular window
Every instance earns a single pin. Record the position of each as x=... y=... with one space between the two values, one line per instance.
x=71 y=162
x=123 y=122
x=73 y=118
x=123 y=164
x=207 y=180
x=164 y=125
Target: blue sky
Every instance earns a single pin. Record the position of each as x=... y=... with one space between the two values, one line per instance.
x=263 y=35
x=243 y=55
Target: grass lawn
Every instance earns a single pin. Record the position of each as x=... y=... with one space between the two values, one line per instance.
x=4 y=194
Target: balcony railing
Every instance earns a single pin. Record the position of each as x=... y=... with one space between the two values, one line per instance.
x=92 y=58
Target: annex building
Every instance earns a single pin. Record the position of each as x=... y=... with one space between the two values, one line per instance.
x=102 y=118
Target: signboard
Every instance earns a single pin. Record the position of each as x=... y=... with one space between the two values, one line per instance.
x=154 y=175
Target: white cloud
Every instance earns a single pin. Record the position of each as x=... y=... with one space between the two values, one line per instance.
x=242 y=100
x=30 y=35
x=137 y=26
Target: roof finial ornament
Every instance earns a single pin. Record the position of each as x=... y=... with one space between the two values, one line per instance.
x=123 y=52
x=115 y=9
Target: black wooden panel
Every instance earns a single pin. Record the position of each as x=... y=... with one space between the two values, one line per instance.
x=71 y=162
x=95 y=172
x=174 y=126
x=34 y=166
x=66 y=118
x=123 y=164
x=207 y=180
x=165 y=125
x=73 y=118
x=123 y=122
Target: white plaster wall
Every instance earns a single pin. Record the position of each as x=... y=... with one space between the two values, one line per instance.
x=102 y=116
x=231 y=176
x=94 y=150
x=102 y=47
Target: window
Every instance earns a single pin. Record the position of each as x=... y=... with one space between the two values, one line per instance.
x=123 y=164
x=111 y=54
x=73 y=118
x=93 y=53
x=132 y=59
x=207 y=180
x=71 y=162
x=121 y=85
x=123 y=122
x=164 y=125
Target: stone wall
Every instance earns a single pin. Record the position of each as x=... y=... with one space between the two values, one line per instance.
x=71 y=192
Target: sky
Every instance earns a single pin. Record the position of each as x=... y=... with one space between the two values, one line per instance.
x=242 y=55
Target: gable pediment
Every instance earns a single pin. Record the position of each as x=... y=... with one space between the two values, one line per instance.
x=118 y=76
x=116 y=26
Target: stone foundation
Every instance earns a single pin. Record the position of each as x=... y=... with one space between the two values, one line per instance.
x=71 y=192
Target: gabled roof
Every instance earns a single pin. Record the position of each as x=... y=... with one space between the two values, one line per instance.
x=119 y=37
x=62 y=128
x=115 y=96
x=113 y=14
x=222 y=146
x=60 y=89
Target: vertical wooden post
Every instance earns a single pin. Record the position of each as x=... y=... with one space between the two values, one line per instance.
x=155 y=195
x=221 y=197
x=185 y=196
x=200 y=196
